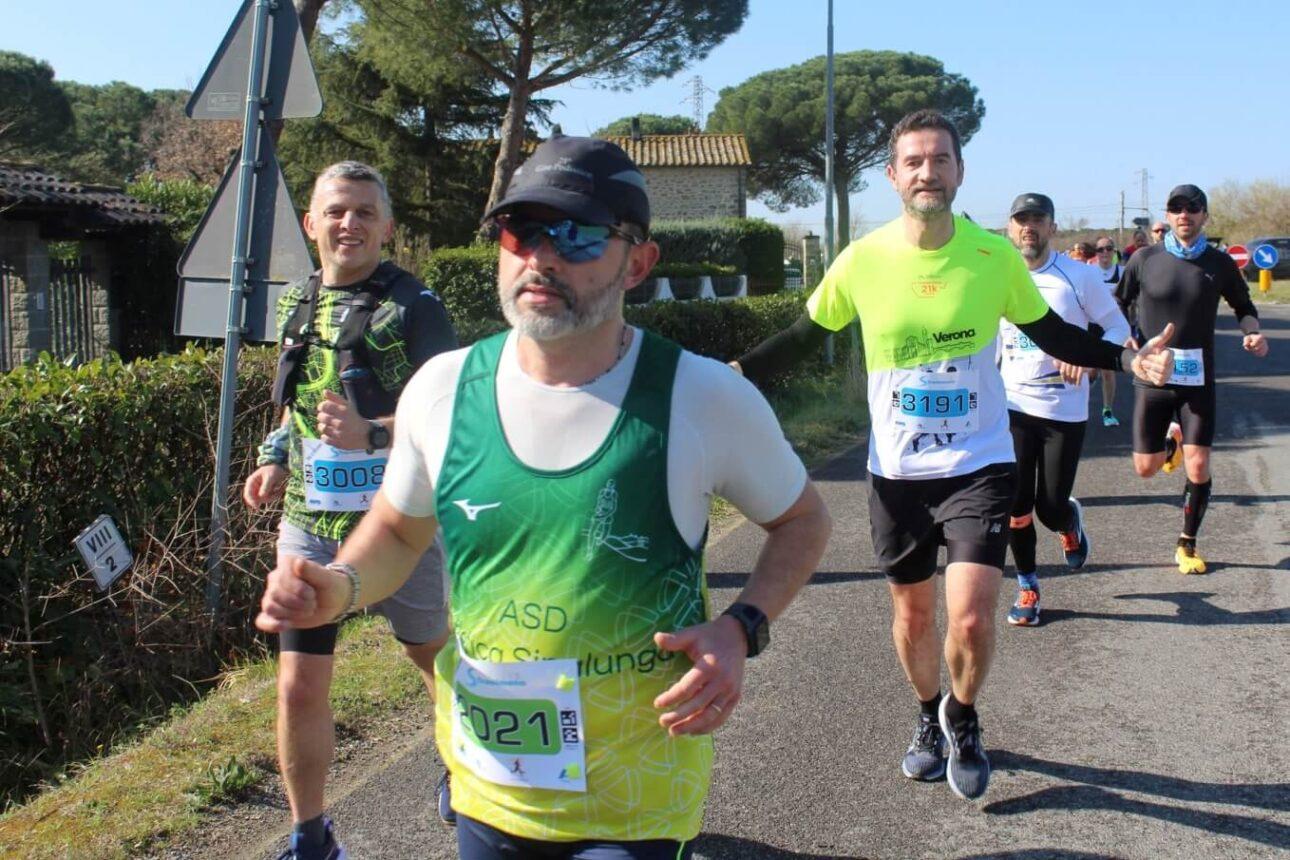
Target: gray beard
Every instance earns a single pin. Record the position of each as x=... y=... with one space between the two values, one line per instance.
x=1032 y=253
x=578 y=315
x=926 y=212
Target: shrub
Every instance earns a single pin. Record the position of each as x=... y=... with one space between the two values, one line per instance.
x=753 y=246
x=691 y=270
x=466 y=280
x=134 y=441
x=720 y=329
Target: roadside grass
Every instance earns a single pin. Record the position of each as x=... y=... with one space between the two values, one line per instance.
x=1279 y=294
x=207 y=755
x=204 y=756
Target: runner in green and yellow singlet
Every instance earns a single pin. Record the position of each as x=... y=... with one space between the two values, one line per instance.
x=570 y=463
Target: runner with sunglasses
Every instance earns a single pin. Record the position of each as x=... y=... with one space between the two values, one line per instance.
x=1180 y=281
x=1110 y=270
x=570 y=463
x=1048 y=399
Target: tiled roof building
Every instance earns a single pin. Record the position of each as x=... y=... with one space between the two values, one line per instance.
x=692 y=176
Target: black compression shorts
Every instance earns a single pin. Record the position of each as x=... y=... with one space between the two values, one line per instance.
x=1192 y=406
x=910 y=519
x=479 y=841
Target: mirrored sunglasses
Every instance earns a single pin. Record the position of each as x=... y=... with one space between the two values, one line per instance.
x=573 y=242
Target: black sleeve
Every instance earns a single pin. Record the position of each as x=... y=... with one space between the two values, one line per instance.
x=1126 y=292
x=1236 y=292
x=781 y=351
x=1074 y=345
x=428 y=329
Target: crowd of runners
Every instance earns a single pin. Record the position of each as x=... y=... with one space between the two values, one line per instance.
x=568 y=465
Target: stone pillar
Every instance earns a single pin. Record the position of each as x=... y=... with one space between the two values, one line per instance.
x=812 y=262
x=28 y=256
x=104 y=332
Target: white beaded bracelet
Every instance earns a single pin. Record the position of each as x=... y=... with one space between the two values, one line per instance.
x=352 y=574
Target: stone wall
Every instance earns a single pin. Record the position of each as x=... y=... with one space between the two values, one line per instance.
x=28 y=315
x=692 y=193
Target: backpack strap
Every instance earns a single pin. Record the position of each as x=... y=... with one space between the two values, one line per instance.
x=303 y=315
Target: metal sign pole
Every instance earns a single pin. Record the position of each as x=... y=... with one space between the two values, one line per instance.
x=236 y=298
x=828 y=166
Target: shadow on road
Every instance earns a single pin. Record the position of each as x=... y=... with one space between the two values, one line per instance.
x=1077 y=797
x=1191 y=607
x=735 y=579
x=1216 y=499
x=1036 y=854
x=718 y=846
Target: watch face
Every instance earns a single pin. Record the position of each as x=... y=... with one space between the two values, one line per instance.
x=378 y=436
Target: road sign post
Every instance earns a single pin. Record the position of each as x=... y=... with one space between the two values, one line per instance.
x=1239 y=255
x=1266 y=258
x=261 y=71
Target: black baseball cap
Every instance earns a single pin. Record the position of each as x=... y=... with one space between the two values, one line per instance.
x=1189 y=194
x=592 y=181
x=1032 y=202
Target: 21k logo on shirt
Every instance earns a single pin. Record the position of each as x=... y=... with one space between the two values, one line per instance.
x=927 y=287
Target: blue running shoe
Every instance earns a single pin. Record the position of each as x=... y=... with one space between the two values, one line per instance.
x=1075 y=543
x=330 y=850
x=1025 y=612
x=925 y=758
x=968 y=768
x=443 y=800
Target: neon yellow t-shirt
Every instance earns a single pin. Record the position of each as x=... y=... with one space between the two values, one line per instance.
x=930 y=321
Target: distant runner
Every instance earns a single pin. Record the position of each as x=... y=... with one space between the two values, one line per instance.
x=1048 y=399
x=1110 y=270
x=1179 y=282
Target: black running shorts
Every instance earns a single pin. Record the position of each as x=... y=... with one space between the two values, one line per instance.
x=1192 y=406
x=479 y=841
x=967 y=513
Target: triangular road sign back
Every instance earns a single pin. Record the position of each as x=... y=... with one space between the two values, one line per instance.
x=290 y=84
x=279 y=254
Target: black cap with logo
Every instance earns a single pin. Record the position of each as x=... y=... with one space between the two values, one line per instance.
x=590 y=180
x=1188 y=194
x=1032 y=202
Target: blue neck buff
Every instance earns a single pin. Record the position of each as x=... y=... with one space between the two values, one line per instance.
x=1182 y=252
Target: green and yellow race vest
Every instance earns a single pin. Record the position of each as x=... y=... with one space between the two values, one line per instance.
x=560 y=580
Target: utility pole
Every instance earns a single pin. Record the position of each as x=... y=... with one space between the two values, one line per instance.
x=1119 y=236
x=695 y=100
x=1146 y=205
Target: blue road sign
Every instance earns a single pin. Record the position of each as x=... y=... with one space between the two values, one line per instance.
x=1265 y=256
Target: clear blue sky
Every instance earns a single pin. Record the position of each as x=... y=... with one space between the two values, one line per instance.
x=1076 y=104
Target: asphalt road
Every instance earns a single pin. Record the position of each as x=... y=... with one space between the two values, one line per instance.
x=1146 y=718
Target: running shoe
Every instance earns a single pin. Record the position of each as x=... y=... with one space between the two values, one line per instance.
x=1075 y=543
x=1189 y=561
x=1174 y=458
x=1025 y=612
x=1109 y=419
x=331 y=849
x=443 y=800
x=968 y=768
x=925 y=758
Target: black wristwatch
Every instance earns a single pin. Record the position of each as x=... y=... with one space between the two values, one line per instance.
x=378 y=436
x=755 y=623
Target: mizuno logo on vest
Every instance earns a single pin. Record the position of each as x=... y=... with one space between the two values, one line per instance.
x=472 y=511
x=943 y=336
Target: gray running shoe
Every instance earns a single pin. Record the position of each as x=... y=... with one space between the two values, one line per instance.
x=925 y=758
x=968 y=770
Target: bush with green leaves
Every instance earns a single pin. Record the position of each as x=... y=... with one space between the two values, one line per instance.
x=134 y=441
x=466 y=280
x=753 y=246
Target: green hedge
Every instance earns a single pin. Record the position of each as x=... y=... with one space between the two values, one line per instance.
x=134 y=441
x=466 y=280
x=720 y=329
x=753 y=246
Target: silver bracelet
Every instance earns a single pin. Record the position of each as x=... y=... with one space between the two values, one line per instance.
x=352 y=574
